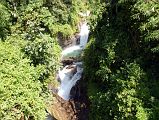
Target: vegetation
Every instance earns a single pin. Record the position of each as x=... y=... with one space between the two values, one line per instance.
x=20 y=91
x=30 y=54
x=123 y=70
x=122 y=73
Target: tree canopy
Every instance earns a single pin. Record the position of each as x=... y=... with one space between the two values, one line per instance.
x=123 y=68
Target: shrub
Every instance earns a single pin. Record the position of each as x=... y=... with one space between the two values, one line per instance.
x=19 y=87
x=125 y=97
x=4 y=21
x=124 y=31
x=44 y=51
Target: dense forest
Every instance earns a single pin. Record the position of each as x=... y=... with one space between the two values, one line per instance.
x=121 y=59
x=29 y=53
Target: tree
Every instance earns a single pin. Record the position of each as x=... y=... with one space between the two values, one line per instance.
x=20 y=90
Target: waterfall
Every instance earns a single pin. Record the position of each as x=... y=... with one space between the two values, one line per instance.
x=70 y=74
x=84 y=35
x=76 y=50
x=68 y=83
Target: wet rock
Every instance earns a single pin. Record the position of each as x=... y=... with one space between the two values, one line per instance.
x=67 y=62
x=67 y=42
x=76 y=108
x=49 y=117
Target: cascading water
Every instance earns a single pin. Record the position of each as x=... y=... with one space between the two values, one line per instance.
x=70 y=74
x=62 y=109
x=68 y=82
x=84 y=35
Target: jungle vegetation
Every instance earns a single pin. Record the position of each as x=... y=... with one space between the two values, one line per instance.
x=30 y=53
x=121 y=60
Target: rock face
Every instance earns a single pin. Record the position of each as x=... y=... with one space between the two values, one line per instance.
x=67 y=42
x=74 y=109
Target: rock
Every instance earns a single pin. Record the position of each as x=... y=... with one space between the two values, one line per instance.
x=49 y=117
x=74 y=109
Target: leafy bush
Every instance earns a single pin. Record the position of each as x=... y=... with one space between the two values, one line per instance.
x=19 y=87
x=39 y=23
x=30 y=54
x=125 y=96
x=124 y=31
x=4 y=21
x=44 y=51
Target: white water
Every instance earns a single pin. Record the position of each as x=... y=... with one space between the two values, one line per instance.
x=72 y=52
x=76 y=50
x=84 y=33
x=67 y=76
x=70 y=49
x=68 y=83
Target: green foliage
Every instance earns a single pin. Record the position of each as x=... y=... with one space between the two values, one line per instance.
x=96 y=7
x=32 y=29
x=4 y=16
x=124 y=96
x=4 y=21
x=43 y=51
x=19 y=87
x=30 y=53
x=39 y=22
x=124 y=31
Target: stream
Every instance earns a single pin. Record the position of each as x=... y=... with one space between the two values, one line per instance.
x=70 y=103
x=70 y=74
